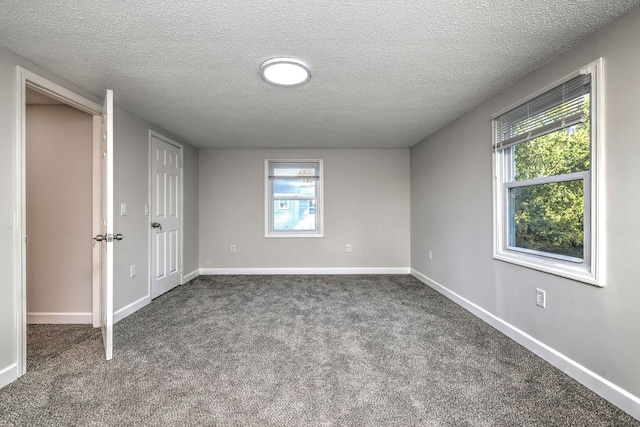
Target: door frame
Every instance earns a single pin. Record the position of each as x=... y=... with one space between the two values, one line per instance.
x=26 y=78
x=170 y=141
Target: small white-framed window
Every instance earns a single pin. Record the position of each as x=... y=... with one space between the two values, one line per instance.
x=293 y=198
x=546 y=150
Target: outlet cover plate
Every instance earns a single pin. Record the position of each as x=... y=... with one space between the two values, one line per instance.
x=541 y=298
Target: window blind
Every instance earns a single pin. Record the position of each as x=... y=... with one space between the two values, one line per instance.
x=291 y=170
x=561 y=107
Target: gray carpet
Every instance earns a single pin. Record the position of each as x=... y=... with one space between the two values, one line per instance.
x=297 y=350
x=47 y=342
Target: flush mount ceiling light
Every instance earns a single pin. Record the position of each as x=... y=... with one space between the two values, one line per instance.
x=285 y=72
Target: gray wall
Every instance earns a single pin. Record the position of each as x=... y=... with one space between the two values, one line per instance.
x=59 y=146
x=366 y=205
x=131 y=164
x=191 y=211
x=131 y=186
x=451 y=215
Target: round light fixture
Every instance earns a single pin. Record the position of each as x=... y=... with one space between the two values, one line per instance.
x=285 y=72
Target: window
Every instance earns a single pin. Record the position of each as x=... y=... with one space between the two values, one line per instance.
x=293 y=198
x=545 y=164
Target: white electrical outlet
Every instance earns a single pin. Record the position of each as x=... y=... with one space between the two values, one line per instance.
x=146 y=210
x=541 y=298
x=348 y=248
x=233 y=249
x=132 y=271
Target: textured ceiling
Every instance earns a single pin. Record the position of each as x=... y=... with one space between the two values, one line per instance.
x=385 y=73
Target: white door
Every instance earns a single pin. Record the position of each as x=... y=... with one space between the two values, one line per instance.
x=166 y=221
x=106 y=237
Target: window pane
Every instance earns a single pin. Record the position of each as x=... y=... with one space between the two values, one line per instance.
x=294 y=214
x=294 y=188
x=561 y=152
x=293 y=199
x=548 y=218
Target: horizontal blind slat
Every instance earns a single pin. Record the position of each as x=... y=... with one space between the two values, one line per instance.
x=554 y=106
x=296 y=177
x=542 y=130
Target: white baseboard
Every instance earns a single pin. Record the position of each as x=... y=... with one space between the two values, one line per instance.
x=131 y=308
x=8 y=375
x=60 y=318
x=190 y=276
x=268 y=271
x=603 y=387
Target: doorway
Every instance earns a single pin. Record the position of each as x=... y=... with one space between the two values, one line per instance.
x=31 y=81
x=58 y=153
x=59 y=211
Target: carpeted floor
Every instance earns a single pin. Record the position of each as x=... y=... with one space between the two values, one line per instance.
x=296 y=350
x=47 y=342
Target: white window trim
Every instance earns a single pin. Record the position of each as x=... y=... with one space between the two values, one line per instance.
x=591 y=271
x=268 y=233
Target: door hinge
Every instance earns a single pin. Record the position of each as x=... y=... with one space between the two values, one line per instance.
x=180 y=164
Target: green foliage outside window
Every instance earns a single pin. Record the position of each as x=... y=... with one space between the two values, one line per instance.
x=550 y=217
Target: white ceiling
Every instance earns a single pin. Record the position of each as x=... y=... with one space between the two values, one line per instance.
x=385 y=73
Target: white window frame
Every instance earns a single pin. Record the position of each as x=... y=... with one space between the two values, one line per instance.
x=269 y=200
x=590 y=269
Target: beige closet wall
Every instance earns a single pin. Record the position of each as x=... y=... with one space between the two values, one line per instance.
x=59 y=216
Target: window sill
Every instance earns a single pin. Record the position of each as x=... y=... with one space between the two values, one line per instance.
x=276 y=235
x=578 y=272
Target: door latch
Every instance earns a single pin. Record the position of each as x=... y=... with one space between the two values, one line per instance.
x=107 y=237
x=156 y=225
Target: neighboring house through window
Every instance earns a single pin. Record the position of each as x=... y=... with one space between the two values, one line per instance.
x=293 y=198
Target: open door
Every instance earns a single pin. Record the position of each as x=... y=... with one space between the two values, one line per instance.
x=106 y=237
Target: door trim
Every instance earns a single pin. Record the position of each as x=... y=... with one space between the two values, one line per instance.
x=170 y=141
x=96 y=209
x=26 y=78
